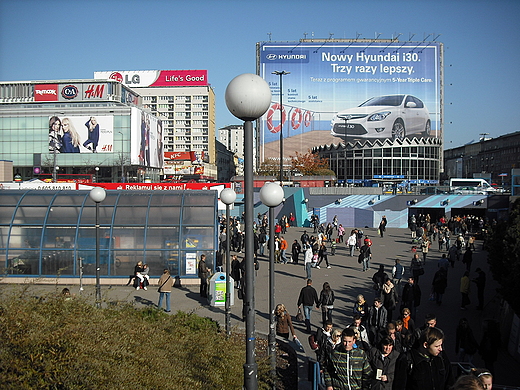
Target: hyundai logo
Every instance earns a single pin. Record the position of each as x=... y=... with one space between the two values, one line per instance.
x=271 y=57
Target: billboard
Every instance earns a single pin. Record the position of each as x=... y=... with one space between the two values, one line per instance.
x=340 y=91
x=157 y=78
x=81 y=134
x=73 y=91
x=146 y=146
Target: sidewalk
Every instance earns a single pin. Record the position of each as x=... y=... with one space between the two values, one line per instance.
x=347 y=280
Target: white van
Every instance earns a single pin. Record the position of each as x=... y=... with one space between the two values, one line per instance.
x=470 y=186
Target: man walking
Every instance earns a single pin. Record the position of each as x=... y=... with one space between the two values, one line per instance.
x=347 y=367
x=308 y=298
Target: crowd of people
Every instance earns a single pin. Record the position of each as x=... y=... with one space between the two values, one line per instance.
x=383 y=348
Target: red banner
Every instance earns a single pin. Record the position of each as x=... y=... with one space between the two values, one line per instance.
x=46 y=93
x=157 y=186
x=169 y=78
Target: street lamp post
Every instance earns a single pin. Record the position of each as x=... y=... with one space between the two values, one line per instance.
x=281 y=74
x=97 y=174
x=98 y=195
x=228 y=197
x=272 y=195
x=248 y=97
x=122 y=158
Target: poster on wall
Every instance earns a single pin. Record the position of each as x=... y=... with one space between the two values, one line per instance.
x=81 y=134
x=191 y=263
x=351 y=91
x=147 y=139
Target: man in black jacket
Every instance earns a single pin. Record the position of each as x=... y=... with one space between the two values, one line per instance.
x=308 y=298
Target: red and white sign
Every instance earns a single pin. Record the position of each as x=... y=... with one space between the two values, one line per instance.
x=156 y=186
x=181 y=156
x=46 y=92
x=181 y=78
x=157 y=78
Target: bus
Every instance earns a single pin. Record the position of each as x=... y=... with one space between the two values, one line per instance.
x=470 y=186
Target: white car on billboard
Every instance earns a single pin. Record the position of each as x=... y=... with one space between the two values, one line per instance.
x=391 y=116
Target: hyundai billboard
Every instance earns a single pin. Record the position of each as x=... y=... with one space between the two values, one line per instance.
x=351 y=91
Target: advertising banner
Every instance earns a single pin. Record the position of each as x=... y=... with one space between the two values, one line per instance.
x=46 y=93
x=352 y=91
x=147 y=142
x=81 y=134
x=157 y=78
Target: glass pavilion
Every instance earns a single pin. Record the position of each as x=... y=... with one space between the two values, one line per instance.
x=50 y=233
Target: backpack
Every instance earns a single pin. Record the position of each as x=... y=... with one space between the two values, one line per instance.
x=312 y=342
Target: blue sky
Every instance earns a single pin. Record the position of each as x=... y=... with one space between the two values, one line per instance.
x=59 y=39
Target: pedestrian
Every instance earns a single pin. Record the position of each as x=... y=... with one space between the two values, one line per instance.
x=465 y=343
x=376 y=320
x=480 y=281
x=347 y=367
x=383 y=360
x=295 y=251
x=408 y=321
x=341 y=233
x=411 y=298
x=390 y=298
x=425 y=245
x=464 y=290
x=443 y=262
x=360 y=307
x=326 y=302
x=165 y=284
x=308 y=261
x=204 y=272
x=439 y=284
x=360 y=328
x=484 y=376
x=416 y=267
x=352 y=242
x=283 y=322
x=490 y=344
x=426 y=366
x=365 y=254
x=379 y=278
x=468 y=259
x=323 y=336
x=322 y=255
x=382 y=226
x=283 y=249
x=308 y=298
x=397 y=275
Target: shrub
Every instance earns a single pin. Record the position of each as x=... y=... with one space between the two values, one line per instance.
x=53 y=343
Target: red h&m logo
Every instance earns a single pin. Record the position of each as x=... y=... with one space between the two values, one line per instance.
x=94 y=91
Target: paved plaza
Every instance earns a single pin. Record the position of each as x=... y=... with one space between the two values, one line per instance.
x=347 y=280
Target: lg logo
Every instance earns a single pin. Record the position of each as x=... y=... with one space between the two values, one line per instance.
x=135 y=79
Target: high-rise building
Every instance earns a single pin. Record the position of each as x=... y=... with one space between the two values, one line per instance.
x=185 y=102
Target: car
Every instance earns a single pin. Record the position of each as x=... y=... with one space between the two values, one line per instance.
x=382 y=117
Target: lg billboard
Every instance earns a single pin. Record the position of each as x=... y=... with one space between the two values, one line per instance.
x=351 y=91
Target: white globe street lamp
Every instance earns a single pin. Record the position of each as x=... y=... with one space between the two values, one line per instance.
x=228 y=197
x=248 y=97
x=271 y=194
x=97 y=194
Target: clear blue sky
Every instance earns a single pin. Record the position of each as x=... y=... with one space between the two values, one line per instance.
x=58 y=39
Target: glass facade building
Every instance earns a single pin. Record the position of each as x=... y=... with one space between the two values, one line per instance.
x=46 y=233
x=417 y=160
